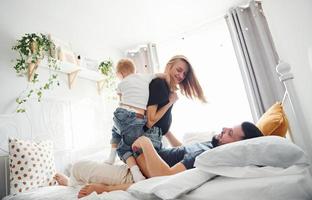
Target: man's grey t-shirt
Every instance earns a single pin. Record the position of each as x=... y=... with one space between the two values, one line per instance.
x=184 y=154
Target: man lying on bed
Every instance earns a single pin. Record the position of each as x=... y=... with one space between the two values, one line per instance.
x=168 y=161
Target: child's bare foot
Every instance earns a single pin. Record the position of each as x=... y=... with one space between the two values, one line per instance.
x=61 y=179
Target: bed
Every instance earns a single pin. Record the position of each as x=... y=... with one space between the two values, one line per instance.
x=279 y=174
x=227 y=188
x=269 y=168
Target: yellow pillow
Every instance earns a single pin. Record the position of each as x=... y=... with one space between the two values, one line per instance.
x=273 y=121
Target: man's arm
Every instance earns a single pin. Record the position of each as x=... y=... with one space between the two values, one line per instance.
x=153 y=163
x=100 y=188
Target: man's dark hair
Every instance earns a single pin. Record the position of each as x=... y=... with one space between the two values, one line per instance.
x=250 y=130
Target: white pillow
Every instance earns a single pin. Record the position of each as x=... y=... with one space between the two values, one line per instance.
x=31 y=165
x=272 y=151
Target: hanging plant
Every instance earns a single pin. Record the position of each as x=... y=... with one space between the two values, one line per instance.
x=106 y=68
x=32 y=48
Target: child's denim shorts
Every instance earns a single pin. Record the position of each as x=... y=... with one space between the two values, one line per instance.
x=127 y=128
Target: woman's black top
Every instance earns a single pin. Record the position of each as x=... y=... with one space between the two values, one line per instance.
x=159 y=95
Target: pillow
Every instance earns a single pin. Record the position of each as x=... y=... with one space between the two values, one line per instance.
x=31 y=165
x=271 y=151
x=273 y=121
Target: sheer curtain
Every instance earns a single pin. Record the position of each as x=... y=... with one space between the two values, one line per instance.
x=209 y=48
x=256 y=55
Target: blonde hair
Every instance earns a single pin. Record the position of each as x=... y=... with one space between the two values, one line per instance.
x=125 y=66
x=190 y=86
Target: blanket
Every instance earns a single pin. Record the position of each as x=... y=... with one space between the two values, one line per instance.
x=175 y=186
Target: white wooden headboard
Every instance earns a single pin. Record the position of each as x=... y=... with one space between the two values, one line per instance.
x=73 y=127
x=298 y=128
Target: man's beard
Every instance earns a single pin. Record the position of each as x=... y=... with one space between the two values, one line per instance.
x=215 y=141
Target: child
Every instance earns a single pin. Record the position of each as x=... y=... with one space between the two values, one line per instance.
x=129 y=117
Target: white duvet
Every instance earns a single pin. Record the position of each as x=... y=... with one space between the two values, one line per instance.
x=259 y=169
x=177 y=186
x=271 y=159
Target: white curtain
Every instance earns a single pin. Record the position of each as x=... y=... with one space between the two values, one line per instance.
x=256 y=55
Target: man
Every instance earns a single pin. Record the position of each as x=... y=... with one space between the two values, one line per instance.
x=170 y=161
x=174 y=160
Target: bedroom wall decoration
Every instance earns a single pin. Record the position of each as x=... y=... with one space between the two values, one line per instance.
x=32 y=48
x=106 y=68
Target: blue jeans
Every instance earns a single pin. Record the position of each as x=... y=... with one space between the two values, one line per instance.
x=127 y=128
x=155 y=135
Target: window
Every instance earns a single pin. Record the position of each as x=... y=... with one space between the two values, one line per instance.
x=211 y=53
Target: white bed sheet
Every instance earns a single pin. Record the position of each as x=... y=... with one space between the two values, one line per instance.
x=257 y=183
x=286 y=187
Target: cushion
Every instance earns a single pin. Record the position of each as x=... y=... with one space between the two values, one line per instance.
x=31 y=165
x=271 y=151
x=273 y=121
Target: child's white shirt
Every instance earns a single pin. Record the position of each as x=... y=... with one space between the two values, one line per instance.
x=134 y=89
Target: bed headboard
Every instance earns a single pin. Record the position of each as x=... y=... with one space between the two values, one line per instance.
x=77 y=129
x=298 y=128
x=8 y=127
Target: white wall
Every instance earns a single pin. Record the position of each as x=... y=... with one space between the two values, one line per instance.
x=74 y=119
x=20 y=17
x=291 y=28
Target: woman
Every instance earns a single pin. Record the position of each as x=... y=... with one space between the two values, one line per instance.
x=179 y=74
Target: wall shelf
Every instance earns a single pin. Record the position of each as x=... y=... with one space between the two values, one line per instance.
x=94 y=76
x=73 y=71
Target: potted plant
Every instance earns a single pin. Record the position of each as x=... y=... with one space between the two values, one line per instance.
x=32 y=48
x=106 y=68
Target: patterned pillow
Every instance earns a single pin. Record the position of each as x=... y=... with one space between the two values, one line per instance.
x=31 y=165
